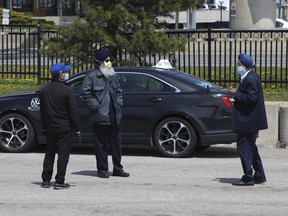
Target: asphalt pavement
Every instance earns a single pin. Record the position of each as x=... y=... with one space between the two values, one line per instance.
x=158 y=186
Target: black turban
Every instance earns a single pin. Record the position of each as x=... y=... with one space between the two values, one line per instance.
x=101 y=55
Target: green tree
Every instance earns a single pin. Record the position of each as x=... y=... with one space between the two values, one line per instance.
x=131 y=26
x=17 y=17
x=21 y=18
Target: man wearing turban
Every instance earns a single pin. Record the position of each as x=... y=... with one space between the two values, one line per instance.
x=102 y=93
x=248 y=117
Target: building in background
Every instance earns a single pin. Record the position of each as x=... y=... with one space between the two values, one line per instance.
x=250 y=14
x=62 y=12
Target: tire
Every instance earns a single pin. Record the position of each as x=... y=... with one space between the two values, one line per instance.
x=175 y=137
x=16 y=133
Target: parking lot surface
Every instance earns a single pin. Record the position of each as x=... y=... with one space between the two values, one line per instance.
x=158 y=186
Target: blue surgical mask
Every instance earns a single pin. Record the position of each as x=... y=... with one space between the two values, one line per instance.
x=240 y=70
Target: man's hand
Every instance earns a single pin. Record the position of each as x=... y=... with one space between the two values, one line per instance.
x=78 y=134
x=231 y=91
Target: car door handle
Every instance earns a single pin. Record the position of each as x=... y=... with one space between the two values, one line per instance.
x=155 y=100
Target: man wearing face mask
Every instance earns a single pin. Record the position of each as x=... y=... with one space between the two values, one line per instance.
x=102 y=93
x=60 y=121
x=248 y=117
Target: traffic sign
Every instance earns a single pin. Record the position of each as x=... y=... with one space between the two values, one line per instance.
x=233 y=5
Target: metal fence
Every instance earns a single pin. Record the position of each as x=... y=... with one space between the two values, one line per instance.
x=210 y=54
x=19 y=51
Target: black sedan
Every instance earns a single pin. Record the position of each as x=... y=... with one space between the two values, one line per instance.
x=172 y=110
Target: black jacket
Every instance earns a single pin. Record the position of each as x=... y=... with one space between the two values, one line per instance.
x=98 y=93
x=249 y=114
x=58 y=108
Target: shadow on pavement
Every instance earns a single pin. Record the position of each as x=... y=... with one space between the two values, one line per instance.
x=86 y=173
x=226 y=180
x=89 y=173
x=88 y=149
x=215 y=151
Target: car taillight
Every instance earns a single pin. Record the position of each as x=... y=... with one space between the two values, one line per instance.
x=228 y=101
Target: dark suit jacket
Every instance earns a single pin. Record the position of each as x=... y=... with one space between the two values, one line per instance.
x=249 y=115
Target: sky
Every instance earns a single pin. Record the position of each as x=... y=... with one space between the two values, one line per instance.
x=225 y=2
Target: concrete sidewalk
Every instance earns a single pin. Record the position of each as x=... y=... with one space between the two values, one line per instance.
x=199 y=185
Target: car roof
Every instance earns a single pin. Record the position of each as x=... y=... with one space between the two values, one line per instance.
x=138 y=69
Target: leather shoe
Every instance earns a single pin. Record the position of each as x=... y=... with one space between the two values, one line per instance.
x=121 y=174
x=46 y=184
x=103 y=174
x=58 y=186
x=242 y=183
x=259 y=181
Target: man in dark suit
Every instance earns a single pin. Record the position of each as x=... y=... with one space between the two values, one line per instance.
x=248 y=117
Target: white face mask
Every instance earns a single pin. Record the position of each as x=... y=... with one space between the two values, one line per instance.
x=108 y=64
x=66 y=76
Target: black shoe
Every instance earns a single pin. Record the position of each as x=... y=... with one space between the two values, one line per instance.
x=259 y=181
x=46 y=184
x=58 y=186
x=242 y=183
x=103 y=174
x=121 y=174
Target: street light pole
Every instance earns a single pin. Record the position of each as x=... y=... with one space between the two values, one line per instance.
x=221 y=3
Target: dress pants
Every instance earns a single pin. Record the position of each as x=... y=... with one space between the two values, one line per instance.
x=250 y=158
x=102 y=135
x=60 y=144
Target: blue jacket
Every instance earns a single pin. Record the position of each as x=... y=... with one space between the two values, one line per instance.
x=98 y=92
x=249 y=115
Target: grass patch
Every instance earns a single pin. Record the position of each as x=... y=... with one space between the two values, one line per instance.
x=12 y=86
x=275 y=94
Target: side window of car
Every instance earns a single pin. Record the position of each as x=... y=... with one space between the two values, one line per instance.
x=133 y=82
x=142 y=83
x=76 y=86
x=279 y=24
x=155 y=85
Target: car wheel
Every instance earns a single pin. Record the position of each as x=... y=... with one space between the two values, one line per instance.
x=16 y=133
x=175 y=137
